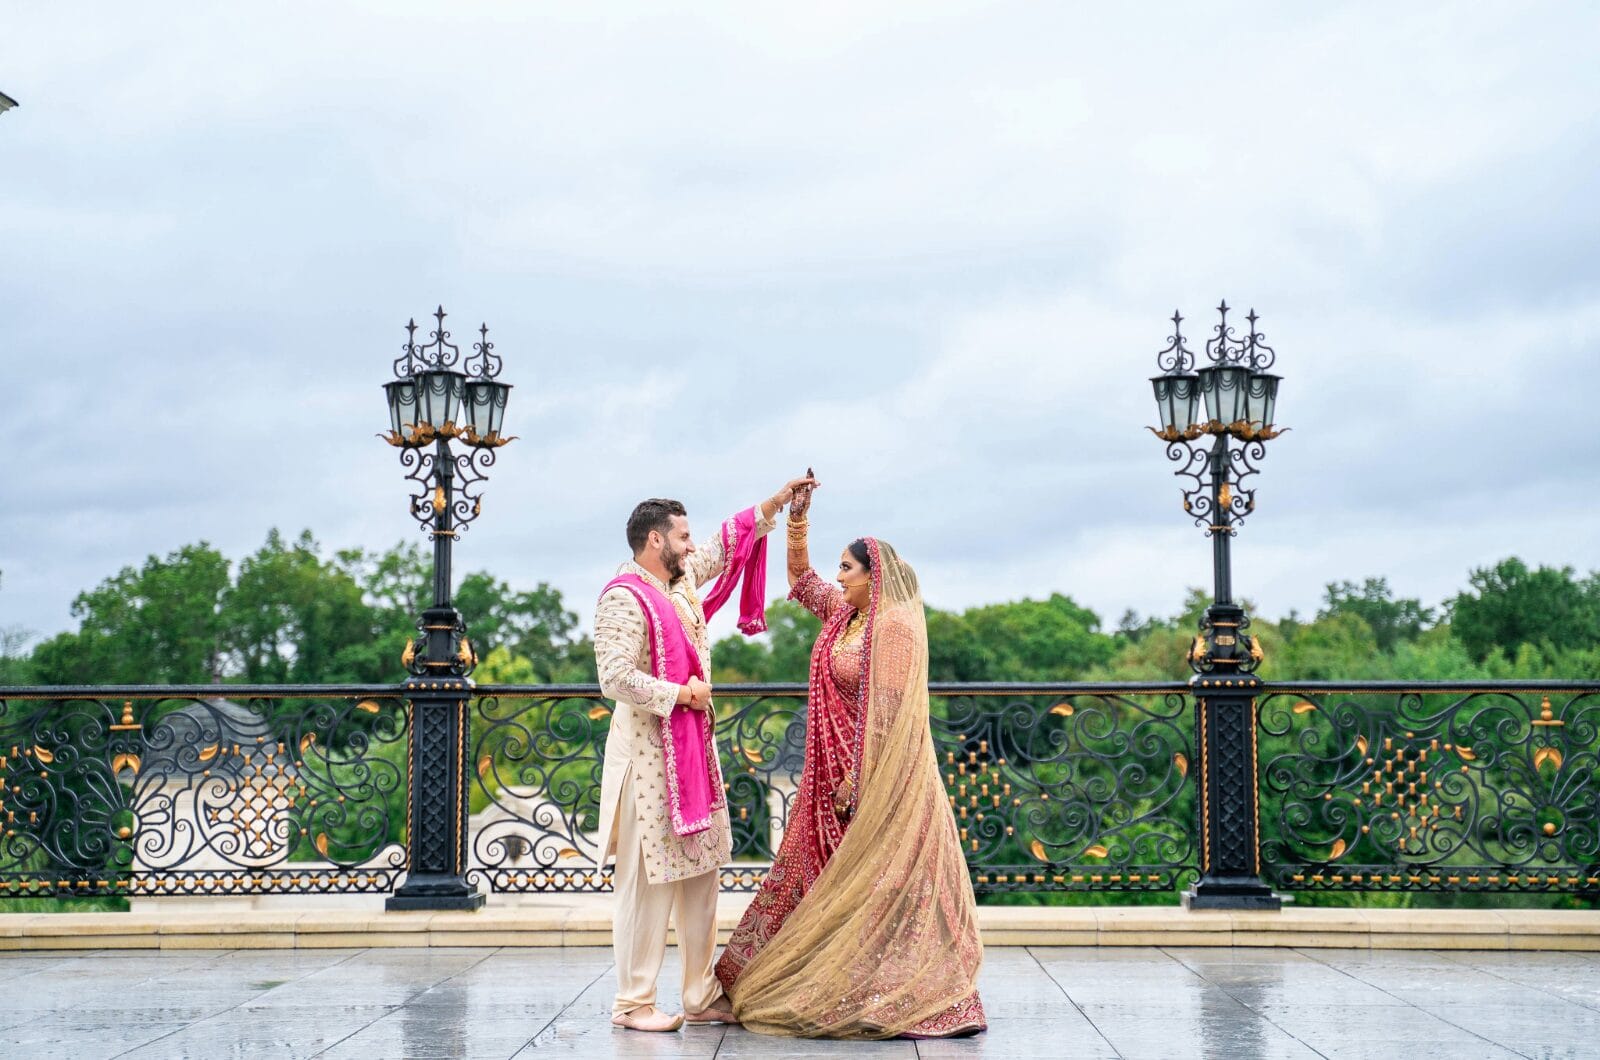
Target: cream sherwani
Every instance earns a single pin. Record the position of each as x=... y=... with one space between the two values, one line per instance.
x=656 y=870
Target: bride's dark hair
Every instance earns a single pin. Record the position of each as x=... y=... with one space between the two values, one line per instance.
x=858 y=549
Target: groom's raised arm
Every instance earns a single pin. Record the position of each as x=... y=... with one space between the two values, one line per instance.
x=710 y=557
x=619 y=643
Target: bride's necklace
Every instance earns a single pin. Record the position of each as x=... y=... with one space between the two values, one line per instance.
x=854 y=629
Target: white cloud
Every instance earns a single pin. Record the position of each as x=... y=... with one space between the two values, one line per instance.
x=927 y=248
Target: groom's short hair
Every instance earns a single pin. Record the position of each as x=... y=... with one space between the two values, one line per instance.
x=653 y=514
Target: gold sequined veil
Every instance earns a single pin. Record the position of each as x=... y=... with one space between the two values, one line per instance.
x=887 y=936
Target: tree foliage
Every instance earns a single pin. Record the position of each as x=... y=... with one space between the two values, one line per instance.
x=289 y=612
x=1508 y=606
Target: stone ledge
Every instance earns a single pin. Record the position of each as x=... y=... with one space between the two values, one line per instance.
x=586 y=921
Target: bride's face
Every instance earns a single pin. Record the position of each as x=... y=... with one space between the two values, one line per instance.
x=855 y=580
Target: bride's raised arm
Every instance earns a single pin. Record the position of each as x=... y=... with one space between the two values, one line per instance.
x=799 y=552
x=806 y=585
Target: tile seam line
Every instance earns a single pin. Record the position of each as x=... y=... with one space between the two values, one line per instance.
x=1419 y=1008
x=1516 y=982
x=551 y=1022
x=231 y=1008
x=1076 y=1007
x=1259 y=1015
x=407 y=1001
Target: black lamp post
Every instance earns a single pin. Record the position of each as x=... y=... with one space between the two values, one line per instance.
x=1217 y=452
x=431 y=405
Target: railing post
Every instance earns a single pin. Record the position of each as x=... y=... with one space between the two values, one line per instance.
x=437 y=839
x=1229 y=803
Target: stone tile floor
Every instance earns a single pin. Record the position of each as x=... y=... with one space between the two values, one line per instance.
x=1053 y=1002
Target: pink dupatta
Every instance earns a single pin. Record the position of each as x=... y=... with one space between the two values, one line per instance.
x=694 y=779
x=746 y=556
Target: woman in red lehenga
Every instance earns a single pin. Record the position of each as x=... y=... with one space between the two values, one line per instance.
x=866 y=926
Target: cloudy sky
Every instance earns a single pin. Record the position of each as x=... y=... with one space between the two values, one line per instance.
x=928 y=248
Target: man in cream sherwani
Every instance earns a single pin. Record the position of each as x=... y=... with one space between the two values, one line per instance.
x=657 y=870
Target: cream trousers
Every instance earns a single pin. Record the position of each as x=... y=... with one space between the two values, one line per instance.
x=639 y=925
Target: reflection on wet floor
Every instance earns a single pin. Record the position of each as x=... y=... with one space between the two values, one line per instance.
x=1042 y=1002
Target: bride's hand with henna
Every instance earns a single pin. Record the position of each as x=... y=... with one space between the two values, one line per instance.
x=801 y=499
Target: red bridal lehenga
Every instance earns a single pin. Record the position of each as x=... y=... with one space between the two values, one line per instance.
x=866 y=926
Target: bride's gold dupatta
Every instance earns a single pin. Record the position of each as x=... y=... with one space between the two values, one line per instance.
x=887 y=937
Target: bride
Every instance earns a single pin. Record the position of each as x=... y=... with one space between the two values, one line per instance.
x=866 y=926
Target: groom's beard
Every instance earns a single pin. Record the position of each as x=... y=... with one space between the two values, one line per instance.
x=673 y=561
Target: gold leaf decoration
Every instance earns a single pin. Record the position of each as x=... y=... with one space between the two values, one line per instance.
x=409 y=656
x=1361 y=744
x=483 y=764
x=1465 y=753
x=596 y=713
x=1096 y=851
x=1036 y=848
x=1180 y=761
x=1303 y=707
x=322 y=843
x=368 y=705
x=1541 y=755
x=754 y=755
x=307 y=740
x=567 y=853
x=125 y=761
x=1063 y=709
x=43 y=755
x=207 y=753
x=1337 y=851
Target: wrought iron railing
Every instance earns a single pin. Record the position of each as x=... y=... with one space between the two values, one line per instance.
x=149 y=791
x=1431 y=787
x=201 y=790
x=1054 y=787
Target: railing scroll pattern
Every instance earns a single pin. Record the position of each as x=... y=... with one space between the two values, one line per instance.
x=1054 y=787
x=1435 y=787
x=201 y=790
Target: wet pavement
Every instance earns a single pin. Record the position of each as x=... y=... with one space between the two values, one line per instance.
x=1055 y=1002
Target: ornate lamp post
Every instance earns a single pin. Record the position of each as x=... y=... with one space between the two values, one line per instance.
x=431 y=405
x=1217 y=451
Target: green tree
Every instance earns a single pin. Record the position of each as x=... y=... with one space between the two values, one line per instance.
x=533 y=625
x=16 y=666
x=1045 y=640
x=1390 y=620
x=1509 y=605
x=159 y=623
x=782 y=654
x=954 y=652
x=292 y=616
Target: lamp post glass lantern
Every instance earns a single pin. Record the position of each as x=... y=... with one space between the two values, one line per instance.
x=1217 y=462
x=1177 y=400
x=427 y=401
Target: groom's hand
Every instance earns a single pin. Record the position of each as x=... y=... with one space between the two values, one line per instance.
x=794 y=487
x=698 y=692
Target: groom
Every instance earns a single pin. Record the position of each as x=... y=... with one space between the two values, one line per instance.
x=662 y=810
